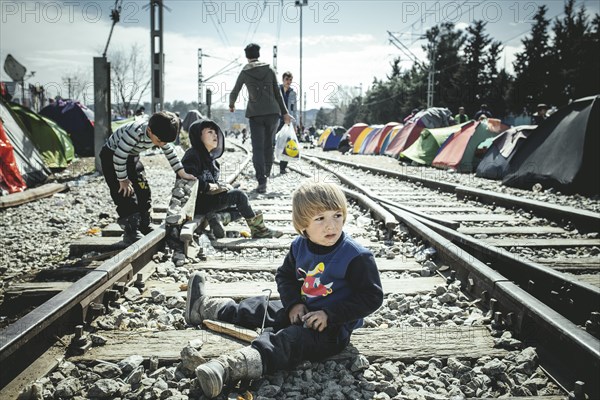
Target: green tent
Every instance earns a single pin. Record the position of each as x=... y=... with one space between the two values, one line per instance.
x=117 y=124
x=423 y=151
x=53 y=143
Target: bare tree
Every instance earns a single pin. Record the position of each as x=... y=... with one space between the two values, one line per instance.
x=77 y=86
x=130 y=78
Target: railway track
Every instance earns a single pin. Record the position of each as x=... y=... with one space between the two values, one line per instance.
x=447 y=322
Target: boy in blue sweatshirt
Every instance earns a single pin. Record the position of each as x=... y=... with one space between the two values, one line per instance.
x=327 y=284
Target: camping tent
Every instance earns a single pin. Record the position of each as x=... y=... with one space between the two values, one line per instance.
x=355 y=130
x=191 y=117
x=562 y=152
x=375 y=146
x=52 y=141
x=372 y=136
x=28 y=159
x=333 y=138
x=424 y=149
x=360 y=139
x=77 y=120
x=458 y=151
x=404 y=139
x=494 y=164
x=10 y=177
x=388 y=138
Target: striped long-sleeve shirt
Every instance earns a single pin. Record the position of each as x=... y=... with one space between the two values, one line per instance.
x=130 y=140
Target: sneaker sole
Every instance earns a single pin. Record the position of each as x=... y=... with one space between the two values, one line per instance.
x=190 y=294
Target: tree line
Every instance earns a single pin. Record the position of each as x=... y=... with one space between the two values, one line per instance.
x=559 y=62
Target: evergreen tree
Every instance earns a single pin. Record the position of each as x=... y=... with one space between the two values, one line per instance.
x=352 y=112
x=478 y=71
x=531 y=65
x=322 y=119
x=574 y=55
x=443 y=47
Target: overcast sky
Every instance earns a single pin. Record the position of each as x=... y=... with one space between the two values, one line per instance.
x=345 y=43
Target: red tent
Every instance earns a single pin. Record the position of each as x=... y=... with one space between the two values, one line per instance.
x=406 y=137
x=386 y=129
x=10 y=177
x=354 y=131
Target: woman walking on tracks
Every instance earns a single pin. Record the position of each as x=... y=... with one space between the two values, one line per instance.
x=327 y=284
x=265 y=104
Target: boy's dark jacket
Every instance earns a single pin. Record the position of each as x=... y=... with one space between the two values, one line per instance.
x=204 y=165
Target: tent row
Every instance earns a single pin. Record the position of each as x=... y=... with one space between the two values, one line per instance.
x=559 y=153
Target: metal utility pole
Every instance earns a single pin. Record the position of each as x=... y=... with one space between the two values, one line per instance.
x=300 y=3
x=411 y=56
x=275 y=58
x=157 y=61
x=200 y=83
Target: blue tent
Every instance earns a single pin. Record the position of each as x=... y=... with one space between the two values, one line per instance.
x=77 y=120
x=334 y=138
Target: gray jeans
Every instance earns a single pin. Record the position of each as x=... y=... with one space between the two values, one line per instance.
x=262 y=132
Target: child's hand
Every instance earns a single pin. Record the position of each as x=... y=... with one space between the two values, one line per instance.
x=184 y=175
x=316 y=320
x=126 y=187
x=296 y=313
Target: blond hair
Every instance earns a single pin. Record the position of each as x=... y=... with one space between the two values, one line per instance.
x=313 y=198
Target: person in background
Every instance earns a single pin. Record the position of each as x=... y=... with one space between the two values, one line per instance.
x=461 y=116
x=289 y=98
x=124 y=173
x=411 y=115
x=265 y=106
x=327 y=284
x=540 y=115
x=483 y=112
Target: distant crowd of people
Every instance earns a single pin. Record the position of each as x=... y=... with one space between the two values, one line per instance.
x=542 y=112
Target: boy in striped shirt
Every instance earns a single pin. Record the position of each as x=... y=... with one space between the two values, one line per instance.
x=124 y=173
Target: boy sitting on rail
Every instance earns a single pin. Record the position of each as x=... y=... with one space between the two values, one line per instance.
x=327 y=284
x=221 y=203
x=124 y=173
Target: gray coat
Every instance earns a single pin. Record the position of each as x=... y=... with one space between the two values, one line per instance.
x=263 y=90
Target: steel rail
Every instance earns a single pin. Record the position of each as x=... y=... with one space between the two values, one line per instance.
x=582 y=219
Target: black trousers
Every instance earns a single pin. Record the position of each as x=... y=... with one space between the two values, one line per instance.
x=231 y=201
x=284 y=346
x=262 y=132
x=141 y=201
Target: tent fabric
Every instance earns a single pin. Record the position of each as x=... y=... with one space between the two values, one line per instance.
x=458 y=151
x=74 y=118
x=10 y=177
x=562 y=152
x=360 y=139
x=373 y=136
x=383 y=134
x=494 y=164
x=28 y=159
x=323 y=136
x=388 y=138
x=434 y=117
x=52 y=141
x=333 y=139
x=355 y=130
x=191 y=117
x=404 y=138
x=425 y=148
